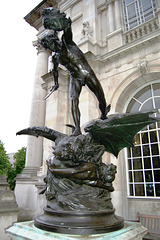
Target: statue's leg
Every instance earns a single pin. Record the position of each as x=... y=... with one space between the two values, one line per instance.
x=75 y=90
x=95 y=86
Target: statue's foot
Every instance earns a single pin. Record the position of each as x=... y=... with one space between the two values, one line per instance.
x=104 y=116
x=76 y=132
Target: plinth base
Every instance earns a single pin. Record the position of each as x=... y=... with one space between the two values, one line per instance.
x=27 y=231
x=80 y=223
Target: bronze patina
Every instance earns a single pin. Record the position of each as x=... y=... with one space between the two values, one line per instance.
x=78 y=184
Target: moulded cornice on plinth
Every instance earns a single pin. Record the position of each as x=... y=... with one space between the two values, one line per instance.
x=28 y=174
x=91 y=56
x=91 y=46
x=40 y=185
x=48 y=77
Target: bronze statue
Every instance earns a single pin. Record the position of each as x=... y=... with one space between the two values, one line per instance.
x=78 y=183
x=67 y=53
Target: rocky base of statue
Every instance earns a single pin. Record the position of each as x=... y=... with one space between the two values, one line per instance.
x=79 y=223
x=78 y=183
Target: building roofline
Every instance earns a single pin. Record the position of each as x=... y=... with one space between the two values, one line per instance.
x=34 y=16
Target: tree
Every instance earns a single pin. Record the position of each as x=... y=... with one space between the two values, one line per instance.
x=11 y=175
x=17 y=168
x=20 y=157
x=4 y=160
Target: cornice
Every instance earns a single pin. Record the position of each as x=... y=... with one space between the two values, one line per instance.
x=34 y=16
x=65 y=4
x=147 y=39
x=99 y=55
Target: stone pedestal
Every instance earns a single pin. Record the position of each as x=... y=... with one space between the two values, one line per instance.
x=27 y=231
x=8 y=208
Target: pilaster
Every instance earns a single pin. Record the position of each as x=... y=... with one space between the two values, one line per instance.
x=117 y=14
x=114 y=38
x=110 y=15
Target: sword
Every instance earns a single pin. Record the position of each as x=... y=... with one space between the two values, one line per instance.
x=54 y=88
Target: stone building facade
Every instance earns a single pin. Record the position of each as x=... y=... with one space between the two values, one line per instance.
x=121 y=41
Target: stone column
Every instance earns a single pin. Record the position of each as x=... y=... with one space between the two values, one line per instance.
x=110 y=15
x=37 y=116
x=27 y=197
x=117 y=14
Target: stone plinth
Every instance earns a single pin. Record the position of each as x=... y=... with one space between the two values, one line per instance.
x=8 y=208
x=27 y=230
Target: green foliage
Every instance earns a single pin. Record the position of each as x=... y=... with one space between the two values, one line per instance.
x=6 y=167
x=11 y=175
x=17 y=167
x=4 y=160
x=19 y=157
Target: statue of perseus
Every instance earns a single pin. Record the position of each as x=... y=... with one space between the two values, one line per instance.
x=78 y=184
x=67 y=53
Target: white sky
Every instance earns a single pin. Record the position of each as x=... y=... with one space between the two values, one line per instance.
x=18 y=62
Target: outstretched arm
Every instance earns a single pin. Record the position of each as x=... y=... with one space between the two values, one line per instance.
x=85 y=171
x=67 y=35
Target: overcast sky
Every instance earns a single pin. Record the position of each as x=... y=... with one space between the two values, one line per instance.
x=18 y=62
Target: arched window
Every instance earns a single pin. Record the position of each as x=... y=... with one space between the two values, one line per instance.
x=137 y=12
x=143 y=160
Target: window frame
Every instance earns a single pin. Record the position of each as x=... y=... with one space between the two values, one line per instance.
x=142 y=157
x=139 y=12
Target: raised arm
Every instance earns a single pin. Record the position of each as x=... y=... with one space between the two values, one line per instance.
x=67 y=35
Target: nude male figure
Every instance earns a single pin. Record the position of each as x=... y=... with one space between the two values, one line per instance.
x=69 y=55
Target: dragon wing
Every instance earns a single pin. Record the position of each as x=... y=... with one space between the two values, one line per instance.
x=43 y=132
x=117 y=132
